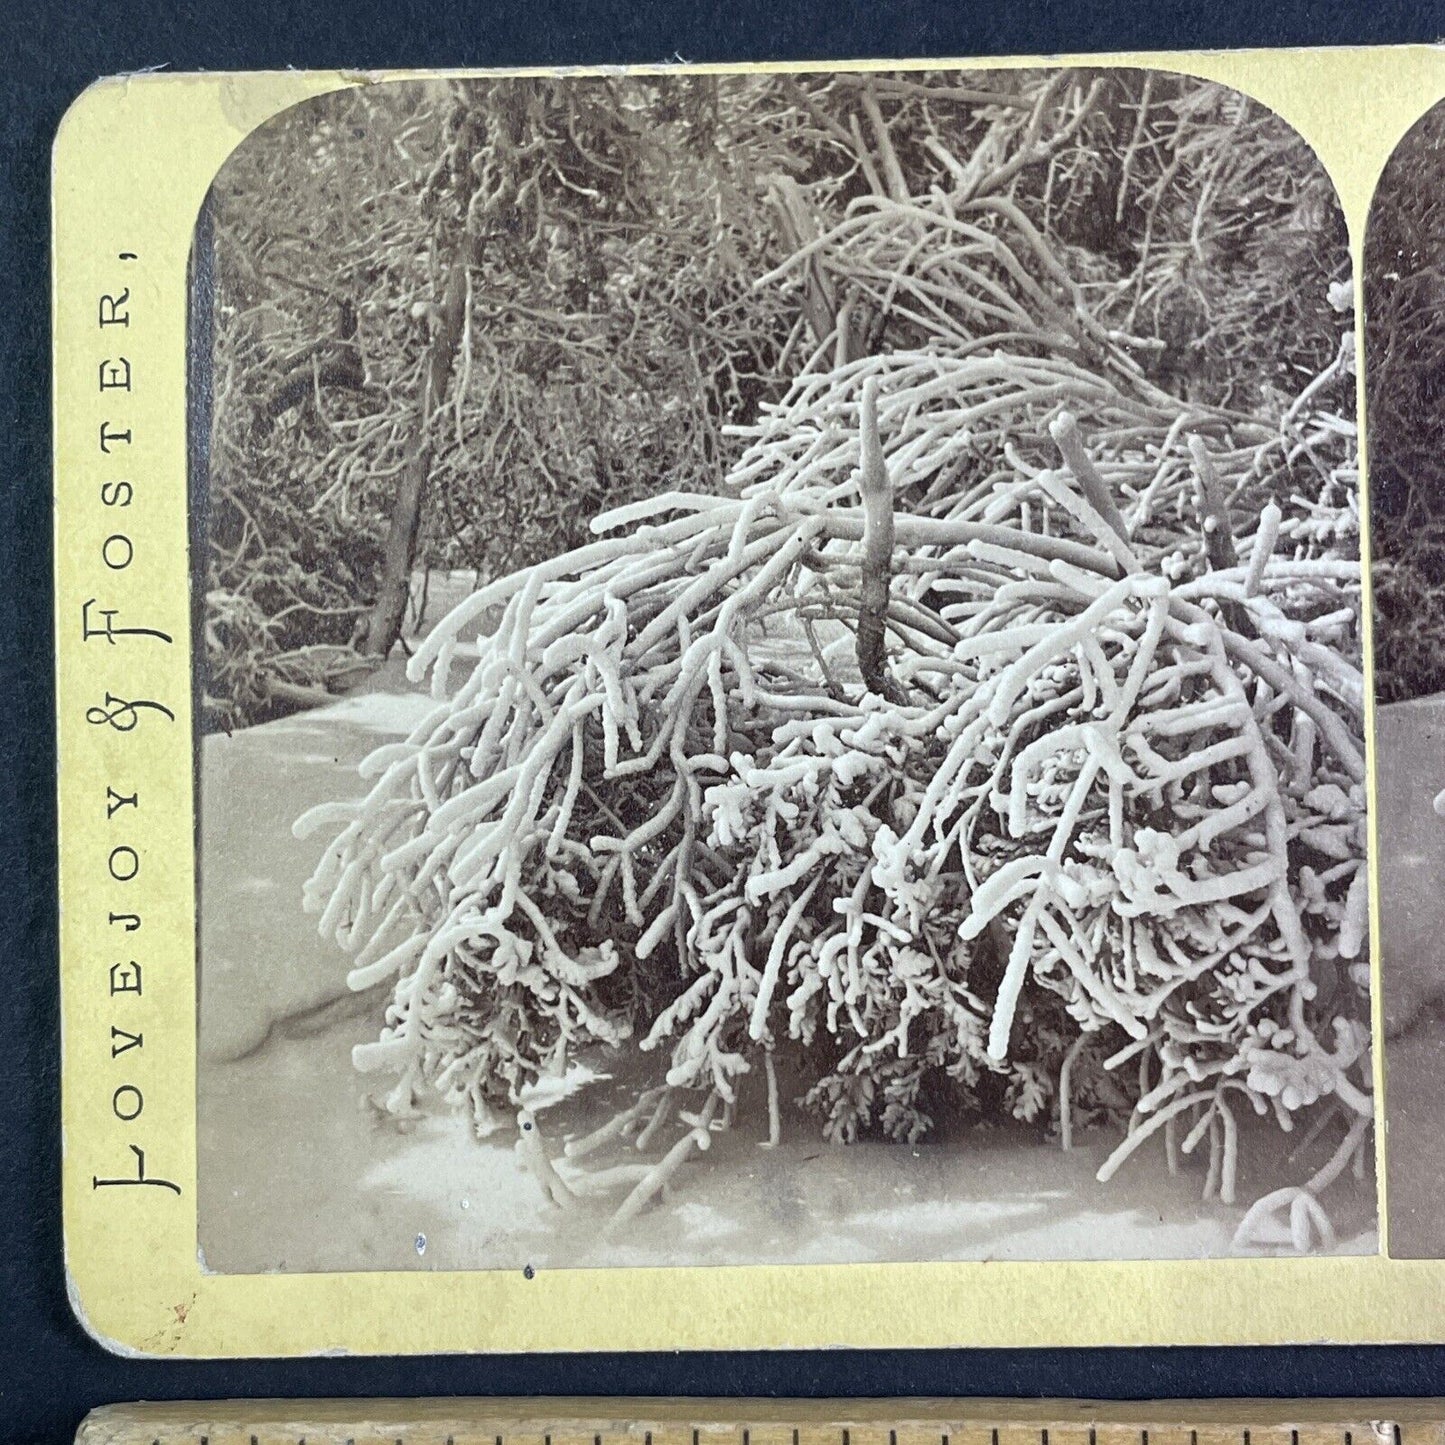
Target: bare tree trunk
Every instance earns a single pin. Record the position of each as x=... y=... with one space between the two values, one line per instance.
x=1219 y=544
x=877 y=552
x=383 y=626
x=800 y=229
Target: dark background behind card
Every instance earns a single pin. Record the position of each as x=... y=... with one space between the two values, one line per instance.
x=50 y=1372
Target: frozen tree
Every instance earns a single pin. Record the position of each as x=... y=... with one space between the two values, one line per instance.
x=996 y=721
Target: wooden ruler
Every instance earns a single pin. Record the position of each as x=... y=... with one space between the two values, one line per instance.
x=768 y=1422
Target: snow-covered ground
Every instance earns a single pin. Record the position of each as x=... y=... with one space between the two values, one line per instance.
x=298 y=1172
x=1410 y=753
x=261 y=960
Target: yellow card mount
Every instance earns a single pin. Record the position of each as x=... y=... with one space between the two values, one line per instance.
x=736 y=708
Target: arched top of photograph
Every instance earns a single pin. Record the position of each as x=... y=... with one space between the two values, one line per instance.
x=872 y=561
x=597 y=286
x=1404 y=299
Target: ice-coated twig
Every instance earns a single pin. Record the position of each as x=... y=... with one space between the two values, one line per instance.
x=533 y=1153
x=1308 y=1223
x=1066 y=1098
x=1065 y=431
x=775 y=1117
x=695 y=1140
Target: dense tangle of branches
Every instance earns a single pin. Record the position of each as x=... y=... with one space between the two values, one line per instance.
x=583 y=257
x=1097 y=801
x=1405 y=329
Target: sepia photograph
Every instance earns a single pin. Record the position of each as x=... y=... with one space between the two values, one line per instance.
x=1404 y=293
x=779 y=675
